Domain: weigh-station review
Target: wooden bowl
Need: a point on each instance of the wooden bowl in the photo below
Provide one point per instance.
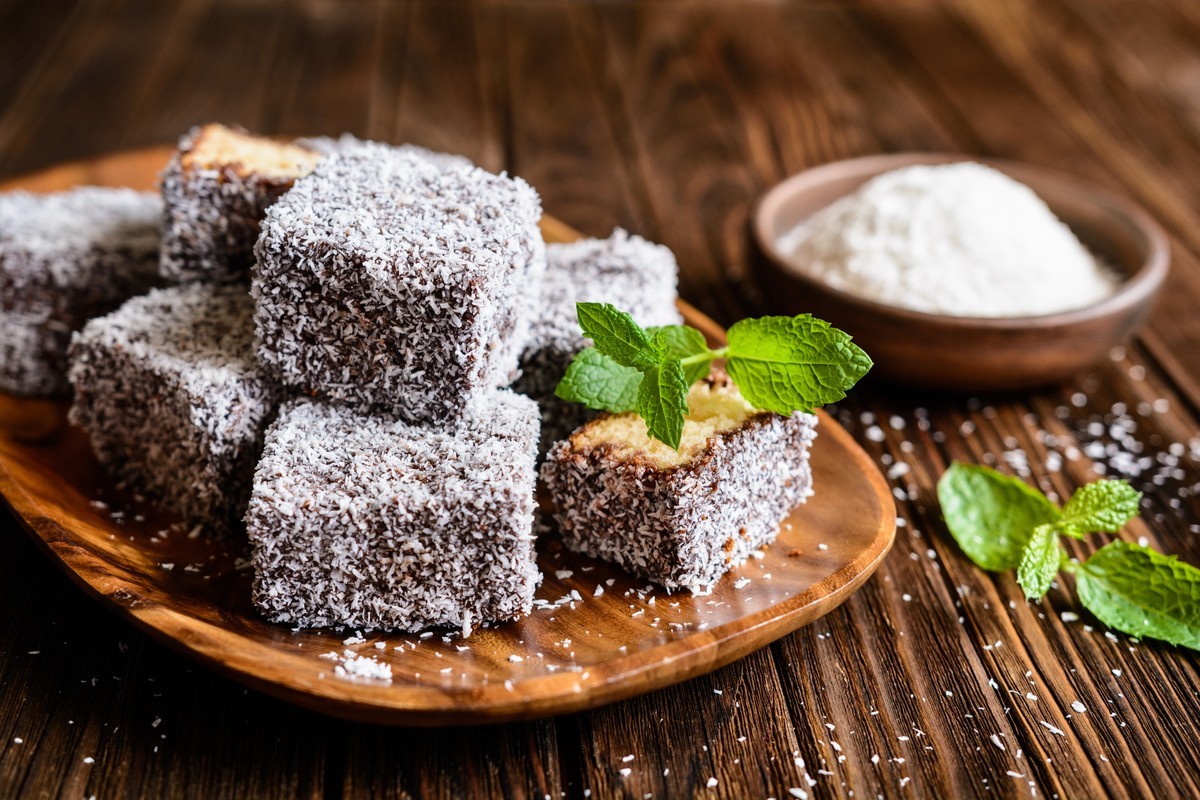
(969, 353)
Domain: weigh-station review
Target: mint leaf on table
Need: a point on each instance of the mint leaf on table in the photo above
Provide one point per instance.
(1001, 523)
(1100, 506)
(614, 332)
(685, 342)
(662, 401)
(1142, 593)
(787, 364)
(600, 383)
(992, 516)
(1040, 562)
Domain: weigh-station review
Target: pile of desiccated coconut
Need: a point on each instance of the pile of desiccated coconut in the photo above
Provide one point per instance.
(958, 239)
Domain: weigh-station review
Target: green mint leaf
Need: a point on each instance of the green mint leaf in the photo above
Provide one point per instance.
(683, 342)
(614, 332)
(1142, 593)
(1100, 506)
(599, 383)
(787, 364)
(653, 354)
(992, 516)
(1040, 562)
(662, 401)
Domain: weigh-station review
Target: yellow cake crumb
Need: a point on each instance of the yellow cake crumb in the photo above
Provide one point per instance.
(713, 410)
(218, 146)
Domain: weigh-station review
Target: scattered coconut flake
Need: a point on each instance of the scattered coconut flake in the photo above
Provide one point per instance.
(359, 668)
(1051, 728)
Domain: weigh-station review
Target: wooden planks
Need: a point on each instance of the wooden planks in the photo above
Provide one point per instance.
(668, 118)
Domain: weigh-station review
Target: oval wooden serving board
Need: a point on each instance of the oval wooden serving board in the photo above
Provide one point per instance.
(598, 635)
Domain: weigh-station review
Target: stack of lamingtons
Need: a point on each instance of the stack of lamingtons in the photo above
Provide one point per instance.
(322, 355)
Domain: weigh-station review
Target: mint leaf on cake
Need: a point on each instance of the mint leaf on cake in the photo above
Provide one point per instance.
(689, 346)
(779, 364)
(600, 383)
(662, 401)
(787, 364)
(614, 332)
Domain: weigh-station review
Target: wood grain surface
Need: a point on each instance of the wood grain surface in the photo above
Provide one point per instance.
(669, 119)
(597, 634)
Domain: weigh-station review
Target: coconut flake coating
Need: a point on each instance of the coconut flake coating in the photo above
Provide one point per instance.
(627, 271)
(326, 145)
(683, 526)
(389, 284)
(369, 522)
(212, 213)
(33, 354)
(65, 258)
(172, 395)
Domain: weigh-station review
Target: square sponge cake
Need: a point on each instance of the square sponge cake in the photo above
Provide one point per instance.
(174, 399)
(365, 521)
(388, 283)
(681, 518)
(215, 190)
(65, 258)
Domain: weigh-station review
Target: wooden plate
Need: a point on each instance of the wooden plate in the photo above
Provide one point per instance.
(599, 635)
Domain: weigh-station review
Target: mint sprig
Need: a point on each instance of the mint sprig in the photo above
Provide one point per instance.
(781, 364)
(1002, 524)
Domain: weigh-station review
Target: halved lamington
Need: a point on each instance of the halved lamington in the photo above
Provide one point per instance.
(174, 399)
(366, 521)
(215, 189)
(681, 518)
(65, 258)
(387, 283)
(627, 271)
(326, 145)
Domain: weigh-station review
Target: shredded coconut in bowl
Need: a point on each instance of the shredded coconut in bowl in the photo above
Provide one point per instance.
(959, 239)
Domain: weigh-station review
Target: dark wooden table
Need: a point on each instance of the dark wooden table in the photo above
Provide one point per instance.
(668, 119)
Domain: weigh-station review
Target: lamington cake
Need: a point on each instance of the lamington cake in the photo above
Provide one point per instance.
(65, 258)
(631, 273)
(368, 522)
(389, 284)
(215, 190)
(172, 395)
(681, 518)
